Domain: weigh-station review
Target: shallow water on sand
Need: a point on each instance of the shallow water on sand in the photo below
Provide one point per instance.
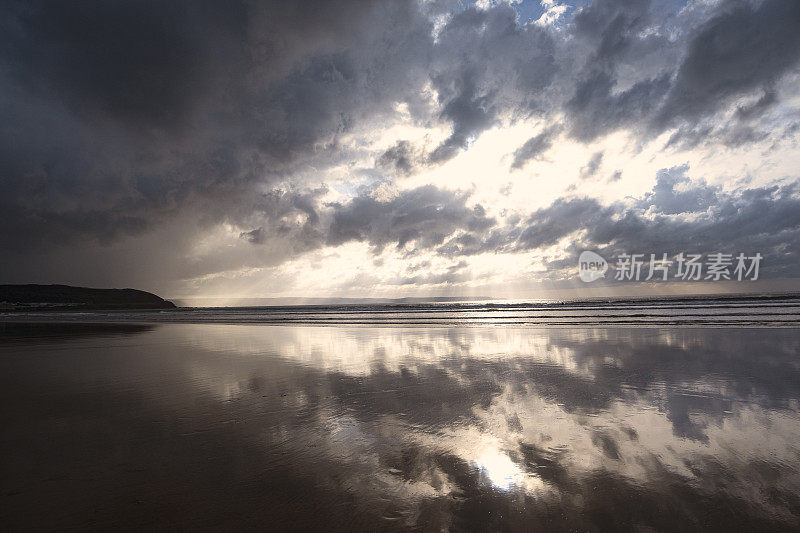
(462, 428)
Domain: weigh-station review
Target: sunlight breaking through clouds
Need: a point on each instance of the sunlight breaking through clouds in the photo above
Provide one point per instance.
(389, 136)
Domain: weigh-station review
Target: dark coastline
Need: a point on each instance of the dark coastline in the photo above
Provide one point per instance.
(67, 298)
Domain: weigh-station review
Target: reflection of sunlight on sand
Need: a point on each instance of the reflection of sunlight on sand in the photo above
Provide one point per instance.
(575, 398)
(501, 471)
(353, 350)
(492, 459)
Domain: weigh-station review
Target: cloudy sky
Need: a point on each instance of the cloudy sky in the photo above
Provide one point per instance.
(394, 148)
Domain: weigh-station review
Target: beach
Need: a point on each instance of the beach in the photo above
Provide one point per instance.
(461, 424)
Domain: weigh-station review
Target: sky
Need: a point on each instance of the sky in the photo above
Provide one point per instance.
(396, 148)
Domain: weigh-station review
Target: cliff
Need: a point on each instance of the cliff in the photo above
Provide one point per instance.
(65, 297)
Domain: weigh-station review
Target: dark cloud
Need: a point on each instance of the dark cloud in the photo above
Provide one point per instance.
(117, 116)
(612, 26)
(469, 111)
(402, 158)
(596, 109)
(255, 236)
(425, 216)
(592, 166)
(764, 220)
(484, 63)
(547, 226)
(734, 133)
(742, 48)
(143, 64)
(766, 101)
(666, 199)
(614, 38)
(638, 79)
(535, 147)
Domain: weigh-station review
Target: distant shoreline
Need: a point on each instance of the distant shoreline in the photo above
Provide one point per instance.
(751, 311)
(242, 303)
(60, 298)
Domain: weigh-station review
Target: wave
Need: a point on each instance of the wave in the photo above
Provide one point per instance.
(770, 311)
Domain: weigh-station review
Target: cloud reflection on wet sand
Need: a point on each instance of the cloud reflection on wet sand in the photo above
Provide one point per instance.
(348, 427)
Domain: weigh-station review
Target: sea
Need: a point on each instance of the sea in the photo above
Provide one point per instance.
(736, 311)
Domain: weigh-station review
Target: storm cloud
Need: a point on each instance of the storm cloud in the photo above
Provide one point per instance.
(694, 219)
(535, 147)
(424, 216)
(118, 115)
(156, 128)
(740, 49)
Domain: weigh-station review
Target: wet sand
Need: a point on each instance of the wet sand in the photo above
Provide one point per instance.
(219, 426)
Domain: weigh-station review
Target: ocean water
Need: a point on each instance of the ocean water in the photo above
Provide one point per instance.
(559, 419)
(705, 311)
